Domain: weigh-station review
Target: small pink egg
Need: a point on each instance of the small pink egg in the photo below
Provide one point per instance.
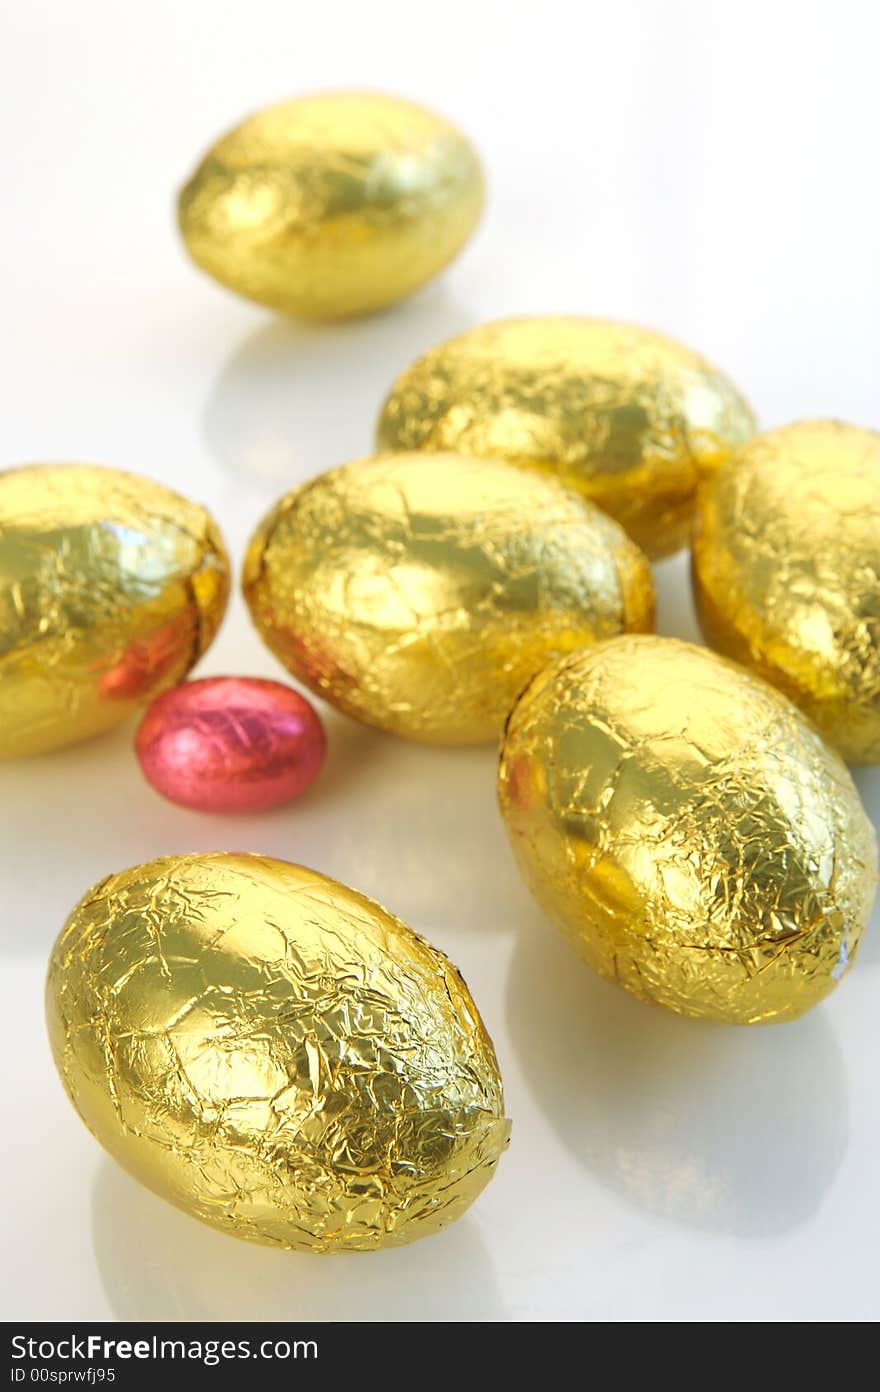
(230, 744)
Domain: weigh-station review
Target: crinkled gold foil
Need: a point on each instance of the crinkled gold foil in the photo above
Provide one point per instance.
(111, 588)
(419, 593)
(332, 205)
(627, 416)
(786, 569)
(688, 830)
(274, 1053)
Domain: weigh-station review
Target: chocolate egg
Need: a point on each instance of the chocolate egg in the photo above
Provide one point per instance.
(332, 205)
(274, 1053)
(111, 588)
(786, 569)
(687, 828)
(419, 593)
(627, 416)
(230, 744)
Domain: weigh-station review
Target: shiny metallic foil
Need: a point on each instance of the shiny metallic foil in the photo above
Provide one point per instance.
(688, 830)
(627, 416)
(111, 588)
(332, 205)
(274, 1053)
(230, 744)
(419, 593)
(786, 569)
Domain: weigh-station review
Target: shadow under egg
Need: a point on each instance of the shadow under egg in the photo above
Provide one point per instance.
(676, 616)
(69, 811)
(727, 1129)
(867, 780)
(353, 751)
(158, 1264)
(297, 398)
(437, 852)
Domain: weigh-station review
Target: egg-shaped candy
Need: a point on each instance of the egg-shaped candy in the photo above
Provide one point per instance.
(111, 588)
(230, 744)
(625, 415)
(332, 205)
(419, 593)
(274, 1053)
(687, 828)
(786, 569)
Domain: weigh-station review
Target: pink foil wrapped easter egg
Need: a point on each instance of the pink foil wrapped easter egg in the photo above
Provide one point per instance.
(230, 744)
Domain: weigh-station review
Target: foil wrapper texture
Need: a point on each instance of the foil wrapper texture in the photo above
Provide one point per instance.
(786, 568)
(111, 588)
(419, 593)
(274, 1053)
(626, 416)
(332, 205)
(688, 830)
(230, 744)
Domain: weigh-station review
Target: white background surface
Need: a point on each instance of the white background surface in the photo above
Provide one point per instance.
(707, 168)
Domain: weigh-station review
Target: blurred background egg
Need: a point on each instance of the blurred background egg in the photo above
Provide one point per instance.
(332, 205)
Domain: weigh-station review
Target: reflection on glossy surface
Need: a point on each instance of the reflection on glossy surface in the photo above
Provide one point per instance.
(295, 399)
(439, 841)
(714, 1128)
(157, 1264)
(437, 851)
(419, 593)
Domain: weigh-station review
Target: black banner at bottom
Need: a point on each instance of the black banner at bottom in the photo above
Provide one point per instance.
(121, 1356)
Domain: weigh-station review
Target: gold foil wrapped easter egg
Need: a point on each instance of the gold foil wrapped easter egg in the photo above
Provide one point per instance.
(274, 1053)
(689, 831)
(419, 593)
(786, 569)
(111, 588)
(627, 416)
(332, 205)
